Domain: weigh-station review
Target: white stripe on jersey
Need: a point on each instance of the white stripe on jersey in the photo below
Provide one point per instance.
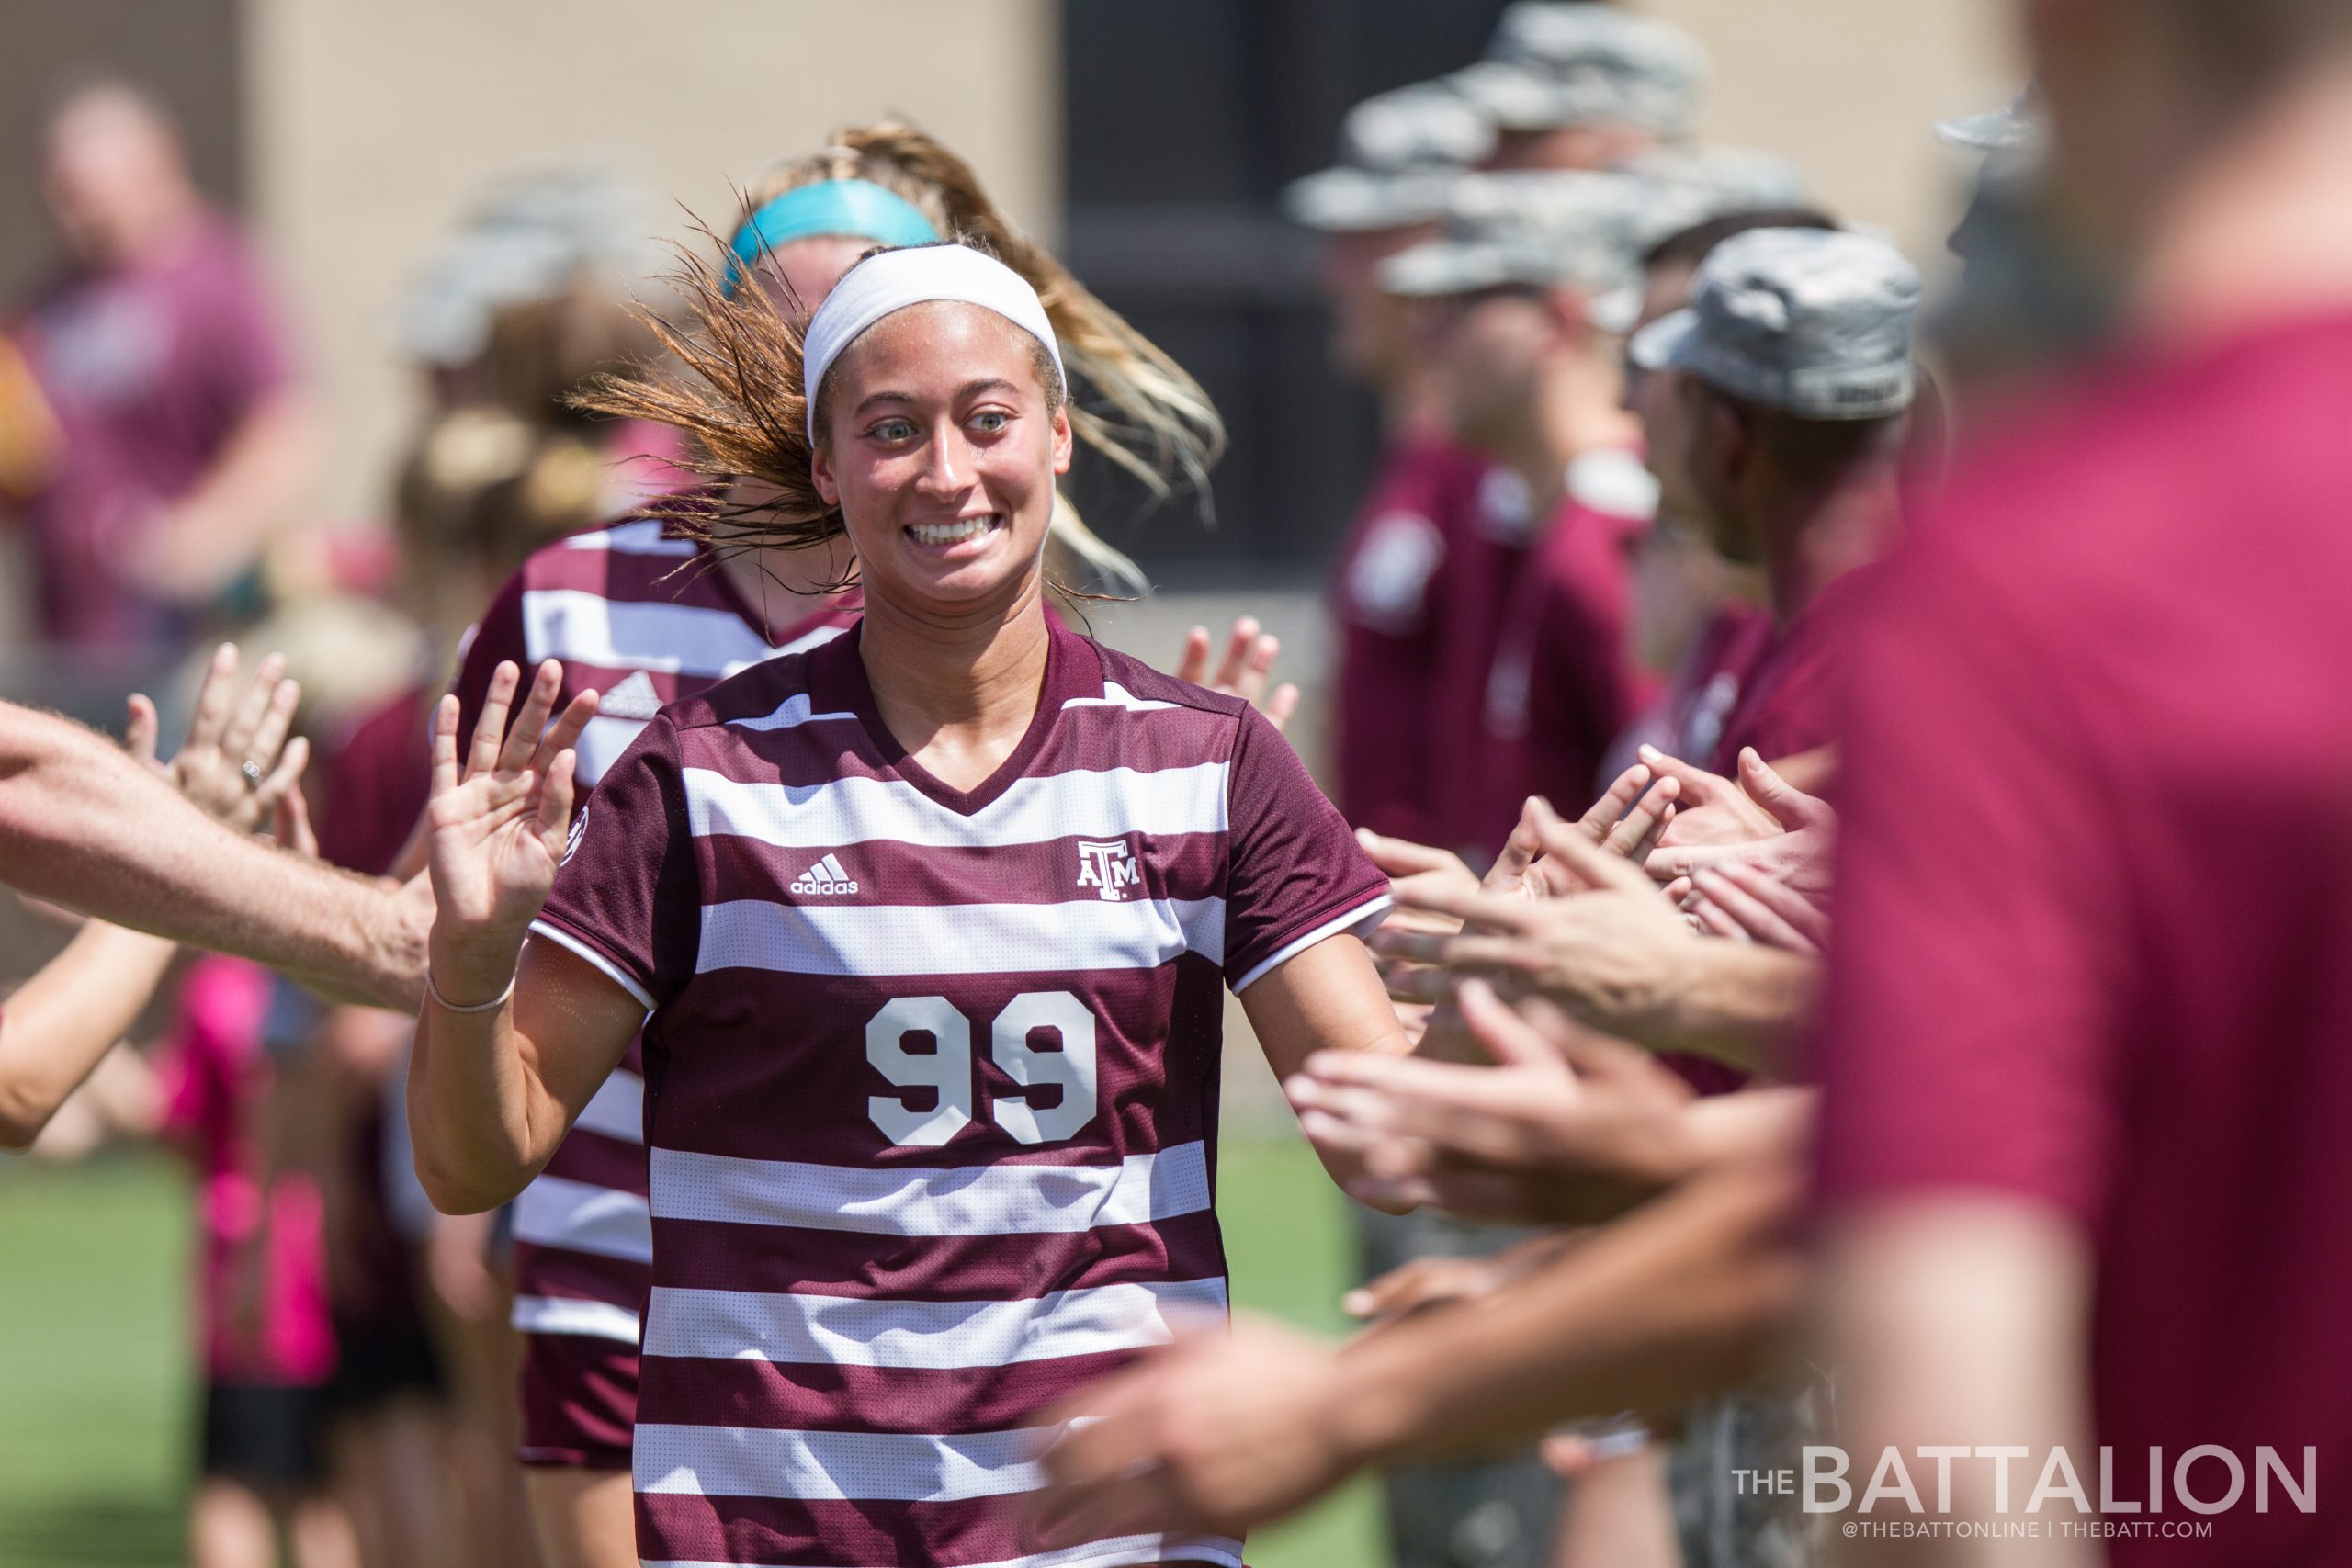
(570, 1315)
(601, 744)
(875, 939)
(573, 624)
(1036, 810)
(1117, 696)
(985, 1200)
(739, 1461)
(1111, 1553)
(618, 1108)
(937, 1335)
(553, 1212)
(646, 536)
(793, 712)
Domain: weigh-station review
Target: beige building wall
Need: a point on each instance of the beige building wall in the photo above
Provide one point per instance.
(1851, 88)
(371, 127)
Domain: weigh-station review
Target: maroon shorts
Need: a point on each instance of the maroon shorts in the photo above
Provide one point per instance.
(579, 1400)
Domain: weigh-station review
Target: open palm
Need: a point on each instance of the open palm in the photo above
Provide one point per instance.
(497, 825)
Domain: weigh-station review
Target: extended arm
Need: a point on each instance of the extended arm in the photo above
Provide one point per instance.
(1687, 1295)
(85, 826)
(515, 1038)
(71, 1013)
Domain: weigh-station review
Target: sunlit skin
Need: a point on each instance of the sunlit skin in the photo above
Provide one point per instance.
(937, 417)
(1651, 397)
(1373, 333)
(1494, 346)
(114, 177)
(1568, 147)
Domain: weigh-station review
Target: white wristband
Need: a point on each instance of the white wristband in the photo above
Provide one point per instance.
(446, 1005)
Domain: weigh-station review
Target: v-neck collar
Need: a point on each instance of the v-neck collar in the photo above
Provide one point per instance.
(837, 672)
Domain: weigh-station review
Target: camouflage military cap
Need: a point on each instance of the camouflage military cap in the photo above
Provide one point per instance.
(1815, 322)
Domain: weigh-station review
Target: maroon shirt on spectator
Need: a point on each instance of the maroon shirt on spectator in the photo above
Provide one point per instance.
(2092, 922)
(149, 368)
(1389, 595)
(1561, 683)
(1791, 694)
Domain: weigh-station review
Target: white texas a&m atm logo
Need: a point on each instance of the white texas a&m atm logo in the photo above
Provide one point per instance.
(825, 878)
(1109, 869)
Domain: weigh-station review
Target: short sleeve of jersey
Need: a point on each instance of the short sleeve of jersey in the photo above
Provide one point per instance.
(497, 637)
(1969, 1037)
(1297, 874)
(627, 898)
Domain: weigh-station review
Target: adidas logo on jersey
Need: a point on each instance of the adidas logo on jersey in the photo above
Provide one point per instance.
(634, 697)
(825, 878)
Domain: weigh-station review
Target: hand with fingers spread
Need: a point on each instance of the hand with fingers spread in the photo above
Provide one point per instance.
(1801, 854)
(497, 828)
(1713, 810)
(1746, 903)
(1568, 1128)
(238, 762)
(1246, 672)
(1210, 1434)
(1614, 955)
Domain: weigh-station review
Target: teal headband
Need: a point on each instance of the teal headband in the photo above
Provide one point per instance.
(857, 208)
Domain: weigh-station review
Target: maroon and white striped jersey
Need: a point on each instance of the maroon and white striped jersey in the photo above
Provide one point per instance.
(931, 1084)
(642, 615)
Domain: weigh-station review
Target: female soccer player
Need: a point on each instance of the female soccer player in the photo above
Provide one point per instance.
(927, 928)
(646, 615)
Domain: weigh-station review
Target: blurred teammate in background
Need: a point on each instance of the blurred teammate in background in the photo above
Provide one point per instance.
(1709, 656)
(1404, 154)
(1532, 290)
(1573, 85)
(182, 438)
(2086, 1083)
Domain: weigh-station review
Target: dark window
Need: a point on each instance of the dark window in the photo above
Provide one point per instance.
(1183, 122)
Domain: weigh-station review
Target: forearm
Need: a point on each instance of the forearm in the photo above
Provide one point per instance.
(1690, 1294)
(470, 1113)
(483, 1116)
(60, 1023)
(1738, 1003)
(85, 825)
(221, 525)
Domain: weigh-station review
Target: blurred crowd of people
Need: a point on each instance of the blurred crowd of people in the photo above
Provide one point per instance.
(1798, 728)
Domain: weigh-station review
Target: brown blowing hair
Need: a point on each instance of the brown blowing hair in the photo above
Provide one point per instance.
(740, 396)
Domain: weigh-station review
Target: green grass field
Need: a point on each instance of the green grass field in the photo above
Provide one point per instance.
(95, 1352)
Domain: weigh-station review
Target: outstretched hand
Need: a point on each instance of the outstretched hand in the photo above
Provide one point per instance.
(496, 826)
(1246, 673)
(238, 762)
(1800, 852)
(1568, 1127)
(1611, 954)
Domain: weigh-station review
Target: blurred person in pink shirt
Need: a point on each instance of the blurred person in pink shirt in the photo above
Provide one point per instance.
(183, 438)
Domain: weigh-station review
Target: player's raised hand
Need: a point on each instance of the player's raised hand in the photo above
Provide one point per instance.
(1246, 670)
(496, 825)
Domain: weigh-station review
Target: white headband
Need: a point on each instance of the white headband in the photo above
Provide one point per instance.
(896, 279)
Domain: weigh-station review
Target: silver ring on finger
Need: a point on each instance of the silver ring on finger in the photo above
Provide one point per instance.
(252, 770)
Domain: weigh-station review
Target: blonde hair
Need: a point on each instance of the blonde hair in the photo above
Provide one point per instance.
(742, 401)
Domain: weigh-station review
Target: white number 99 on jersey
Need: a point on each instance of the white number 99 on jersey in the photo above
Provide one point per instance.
(949, 1069)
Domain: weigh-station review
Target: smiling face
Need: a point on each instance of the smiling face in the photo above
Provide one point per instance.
(940, 443)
